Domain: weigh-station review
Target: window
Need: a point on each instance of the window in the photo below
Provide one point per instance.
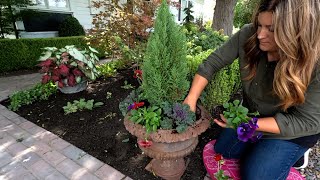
(52, 4)
(58, 3)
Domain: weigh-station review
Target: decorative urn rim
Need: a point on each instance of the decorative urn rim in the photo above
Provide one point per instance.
(169, 136)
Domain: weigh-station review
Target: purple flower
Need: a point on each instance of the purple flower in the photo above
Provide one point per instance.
(246, 131)
(130, 107)
(256, 137)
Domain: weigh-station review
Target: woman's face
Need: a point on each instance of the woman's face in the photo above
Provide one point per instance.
(265, 32)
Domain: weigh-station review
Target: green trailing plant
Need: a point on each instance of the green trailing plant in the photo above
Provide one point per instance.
(71, 27)
(148, 117)
(81, 104)
(36, 93)
(236, 114)
(165, 67)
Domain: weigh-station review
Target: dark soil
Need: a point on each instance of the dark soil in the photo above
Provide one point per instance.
(101, 132)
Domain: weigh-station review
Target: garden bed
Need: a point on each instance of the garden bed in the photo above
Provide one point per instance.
(101, 132)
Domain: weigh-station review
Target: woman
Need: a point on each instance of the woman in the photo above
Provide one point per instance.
(279, 60)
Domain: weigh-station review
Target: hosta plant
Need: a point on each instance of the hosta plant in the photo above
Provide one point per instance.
(68, 66)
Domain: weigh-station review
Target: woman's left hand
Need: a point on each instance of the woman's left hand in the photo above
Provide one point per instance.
(222, 123)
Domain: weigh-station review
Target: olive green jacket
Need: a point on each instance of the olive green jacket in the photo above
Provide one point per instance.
(298, 121)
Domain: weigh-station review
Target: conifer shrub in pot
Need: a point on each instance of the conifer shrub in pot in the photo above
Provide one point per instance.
(166, 129)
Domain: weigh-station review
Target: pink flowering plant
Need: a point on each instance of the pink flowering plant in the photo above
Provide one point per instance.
(238, 118)
(68, 66)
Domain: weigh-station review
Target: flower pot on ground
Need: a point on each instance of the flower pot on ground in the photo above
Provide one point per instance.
(69, 67)
(166, 129)
(168, 147)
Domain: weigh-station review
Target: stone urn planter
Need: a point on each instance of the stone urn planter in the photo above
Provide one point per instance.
(74, 89)
(169, 148)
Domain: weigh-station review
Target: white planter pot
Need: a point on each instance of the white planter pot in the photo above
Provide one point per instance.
(74, 89)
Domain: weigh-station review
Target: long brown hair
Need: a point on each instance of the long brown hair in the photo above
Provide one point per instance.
(296, 32)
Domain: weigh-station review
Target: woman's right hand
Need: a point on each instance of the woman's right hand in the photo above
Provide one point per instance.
(191, 102)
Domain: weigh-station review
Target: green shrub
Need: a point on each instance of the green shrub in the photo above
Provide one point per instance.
(203, 40)
(223, 84)
(243, 12)
(38, 92)
(18, 54)
(71, 27)
(164, 67)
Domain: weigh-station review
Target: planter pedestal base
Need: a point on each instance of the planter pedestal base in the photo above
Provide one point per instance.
(169, 148)
(167, 169)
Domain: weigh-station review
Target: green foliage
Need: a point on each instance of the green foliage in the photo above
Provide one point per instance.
(71, 27)
(199, 41)
(19, 54)
(223, 84)
(72, 58)
(9, 15)
(128, 20)
(235, 113)
(107, 69)
(79, 105)
(221, 176)
(127, 86)
(164, 67)
(134, 96)
(130, 55)
(109, 95)
(187, 21)
(148, 117)
(38, 92)
(243, 12)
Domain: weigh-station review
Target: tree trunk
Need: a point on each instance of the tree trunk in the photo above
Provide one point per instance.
(13, 21)
(1, 26)
(223, 16)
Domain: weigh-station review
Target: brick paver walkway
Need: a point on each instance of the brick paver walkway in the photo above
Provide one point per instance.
(30, 152)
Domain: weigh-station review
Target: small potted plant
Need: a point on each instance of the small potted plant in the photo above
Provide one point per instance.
(69, 67)
(166, 129)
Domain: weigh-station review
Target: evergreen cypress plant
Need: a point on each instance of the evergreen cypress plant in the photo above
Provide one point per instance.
(165, 68)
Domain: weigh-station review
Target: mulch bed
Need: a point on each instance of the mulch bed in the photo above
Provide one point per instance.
(101, 132)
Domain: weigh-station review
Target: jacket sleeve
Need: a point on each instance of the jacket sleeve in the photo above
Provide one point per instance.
(223, 56)
(304, 119)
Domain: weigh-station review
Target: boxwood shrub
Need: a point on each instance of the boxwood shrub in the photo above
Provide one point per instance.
(22, 54)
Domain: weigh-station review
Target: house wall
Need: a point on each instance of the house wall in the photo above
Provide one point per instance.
(82, 11)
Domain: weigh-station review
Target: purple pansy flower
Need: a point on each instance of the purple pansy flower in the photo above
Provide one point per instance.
(246, 131)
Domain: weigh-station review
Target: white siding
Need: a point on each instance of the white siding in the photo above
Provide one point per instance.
(81, 11)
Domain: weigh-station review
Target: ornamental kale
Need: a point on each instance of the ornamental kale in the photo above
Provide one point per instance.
(179, 116)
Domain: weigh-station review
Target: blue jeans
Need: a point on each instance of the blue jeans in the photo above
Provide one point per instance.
(268, 159)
